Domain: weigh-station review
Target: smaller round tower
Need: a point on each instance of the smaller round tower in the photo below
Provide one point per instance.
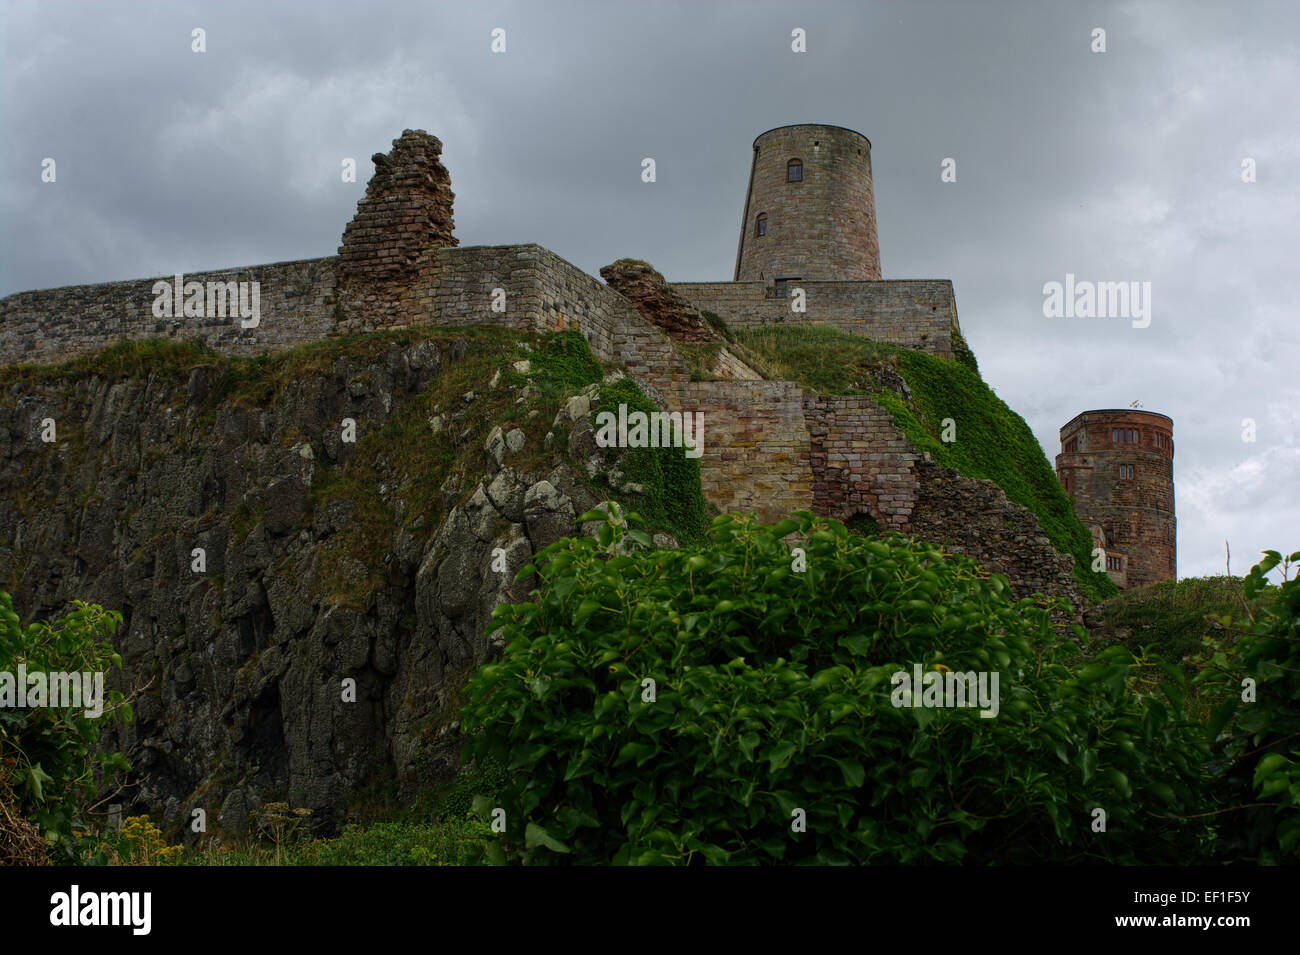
(809, 211)
(1118, 468)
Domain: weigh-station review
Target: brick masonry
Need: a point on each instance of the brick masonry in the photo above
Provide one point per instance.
(1136, 514)
(404, 218)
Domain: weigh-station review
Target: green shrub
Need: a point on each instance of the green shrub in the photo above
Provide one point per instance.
(1256, 728)
(48, 760)
(773, 693)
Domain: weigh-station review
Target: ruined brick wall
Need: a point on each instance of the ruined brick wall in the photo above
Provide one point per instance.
(822, 226)
(296, 302)
(403, 219)
(974, 517)
(920, 314)
(1136, 513)
(755, 445)
(860, 462)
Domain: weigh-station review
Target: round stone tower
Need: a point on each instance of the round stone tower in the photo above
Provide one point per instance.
(1118, 467)
(809, 212)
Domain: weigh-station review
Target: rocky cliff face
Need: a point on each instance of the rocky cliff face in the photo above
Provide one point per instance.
(306, 549)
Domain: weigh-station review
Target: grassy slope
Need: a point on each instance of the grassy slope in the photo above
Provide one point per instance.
(992, 441)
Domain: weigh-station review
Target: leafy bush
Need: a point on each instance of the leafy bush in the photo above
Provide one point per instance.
(48, 761)
(1256, 728)
(773, 693)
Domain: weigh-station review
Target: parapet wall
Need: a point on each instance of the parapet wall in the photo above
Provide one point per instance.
(296, 303)
(918, 314)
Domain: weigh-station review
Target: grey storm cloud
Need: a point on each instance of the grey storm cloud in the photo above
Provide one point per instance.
(1117, 166)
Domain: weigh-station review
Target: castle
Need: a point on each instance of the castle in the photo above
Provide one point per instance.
(1117, 466)
(808, 253)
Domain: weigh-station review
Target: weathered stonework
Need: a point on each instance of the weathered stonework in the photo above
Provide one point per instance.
(297, 302)
(404, 217)
(820, 227)
(917, 314)
(1135, 514)
(657, 301)
(974, 518)
(861, 462)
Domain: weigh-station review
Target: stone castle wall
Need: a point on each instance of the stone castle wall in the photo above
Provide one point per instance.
(918, 314)
(755, 445)
(297, 304)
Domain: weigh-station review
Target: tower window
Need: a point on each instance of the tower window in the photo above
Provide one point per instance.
(1126, 472)
(1071, 445)
(761, 225)
(1116, 435)
(794, 171)
(1132, 436)
(1110, 537)
(1114, 563)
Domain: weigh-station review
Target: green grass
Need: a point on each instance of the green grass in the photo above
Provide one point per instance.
(992, 441)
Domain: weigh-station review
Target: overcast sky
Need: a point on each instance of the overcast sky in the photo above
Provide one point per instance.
(1117, 166)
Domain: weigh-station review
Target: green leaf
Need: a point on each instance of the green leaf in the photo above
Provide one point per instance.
(535, 835)
(1120, 781)
(854, 774)
(781, 754)
(1270, 764)
(585, 610)
(1089, 765)
(36, 778)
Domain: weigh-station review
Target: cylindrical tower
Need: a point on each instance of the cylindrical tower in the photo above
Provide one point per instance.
(1118, 467)
(809, 211)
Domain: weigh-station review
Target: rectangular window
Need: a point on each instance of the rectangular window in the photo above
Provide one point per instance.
(1132, 436)
(1072, 445)
(1116, 435)
(1114, 563)
(1126, 472)
(781, 290)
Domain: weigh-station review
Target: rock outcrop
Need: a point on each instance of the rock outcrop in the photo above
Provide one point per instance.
(300, 611)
